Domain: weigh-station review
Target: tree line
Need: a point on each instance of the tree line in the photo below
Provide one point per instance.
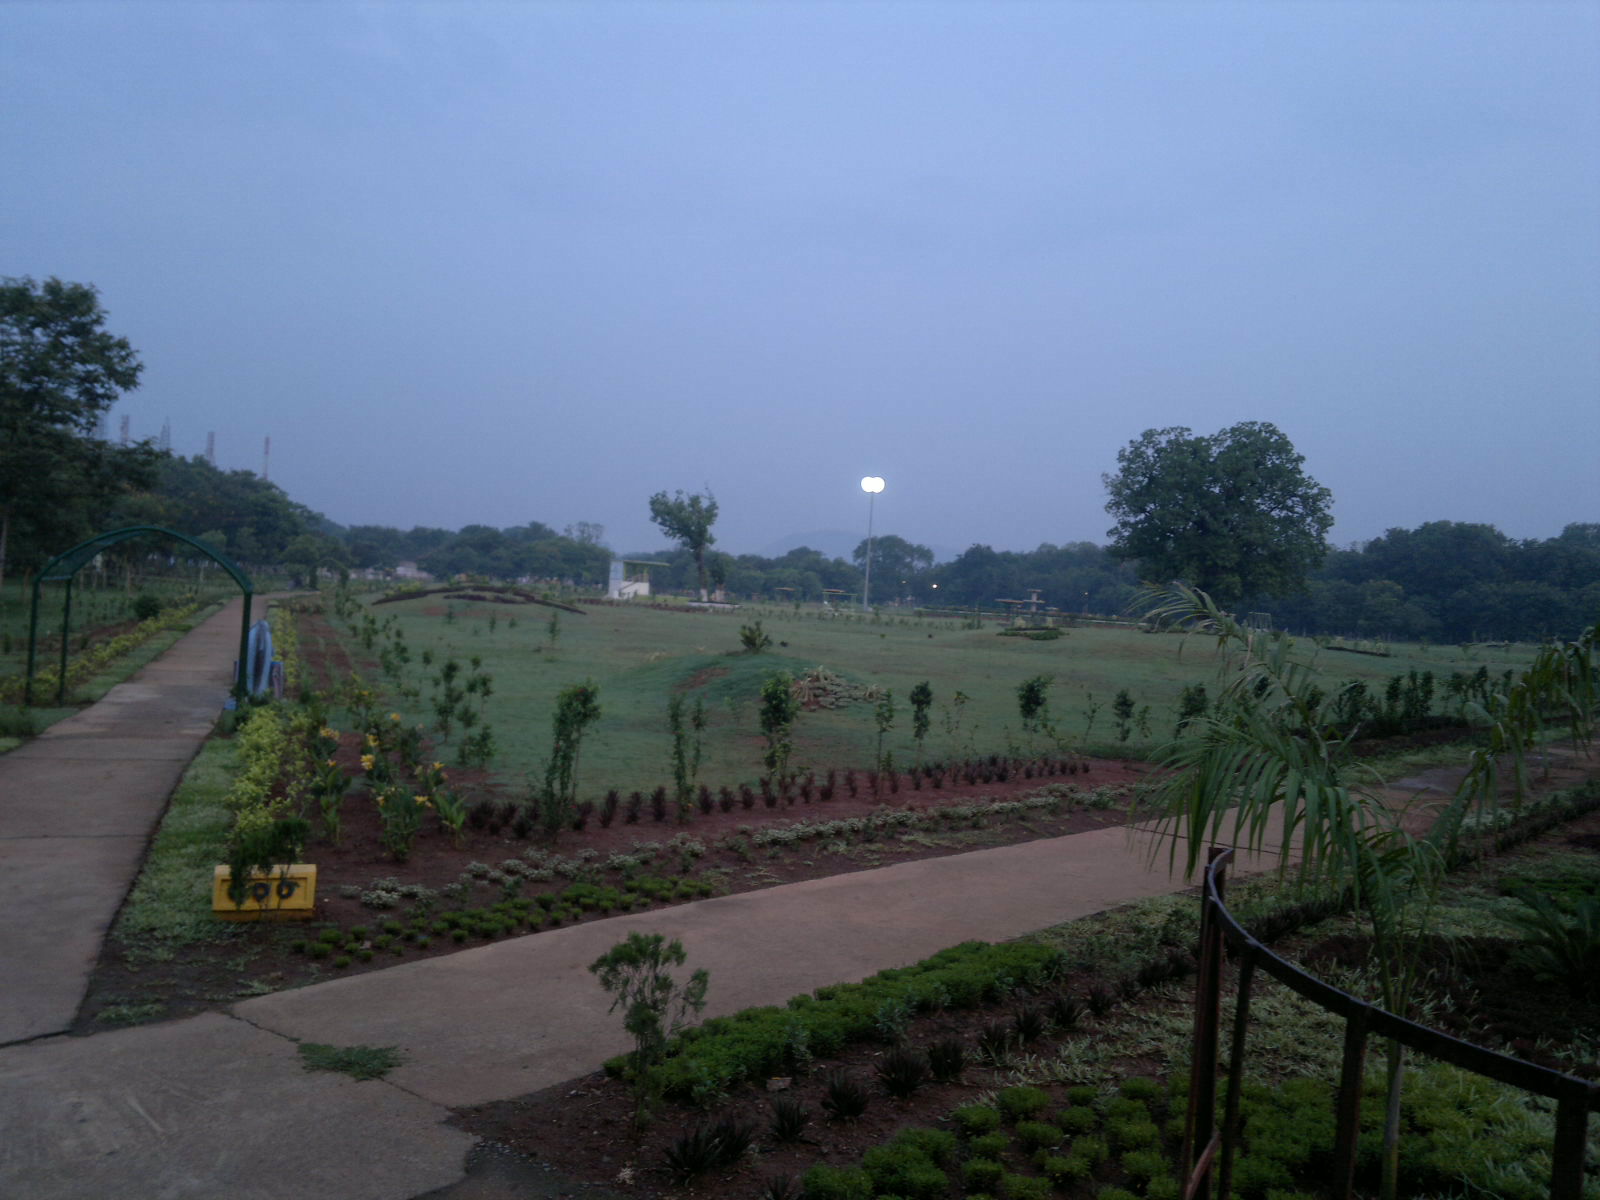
(1231, 513)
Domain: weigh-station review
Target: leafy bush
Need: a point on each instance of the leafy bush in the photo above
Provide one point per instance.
(1024, 1187)
(976, 1119)
(990, 1145)
(938, 1144)
(823, 1182)
(981, 1174)
(1020, 1103)
(1144, 1164)
(1077, 1120)
(751, 1044)
(1066, 1170)
(900, 1169)
(1140, 1088)
(1133, 1134)
(1037, 1135)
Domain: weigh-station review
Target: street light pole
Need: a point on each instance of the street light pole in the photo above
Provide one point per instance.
(871, 485)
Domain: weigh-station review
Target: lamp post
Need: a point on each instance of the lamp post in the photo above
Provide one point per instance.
(871, 485)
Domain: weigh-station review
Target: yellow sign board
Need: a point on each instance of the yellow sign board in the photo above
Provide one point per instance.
(287, 893)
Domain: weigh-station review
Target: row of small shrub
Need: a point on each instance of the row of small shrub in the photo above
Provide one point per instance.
(660, 806)
(1462, 1134)
(90, 662)
(286, 645)
(1022, 1146)
(513, 915)
(1051, 798)
(704, 1061)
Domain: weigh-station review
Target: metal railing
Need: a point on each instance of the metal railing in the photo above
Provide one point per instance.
(1208, 1146)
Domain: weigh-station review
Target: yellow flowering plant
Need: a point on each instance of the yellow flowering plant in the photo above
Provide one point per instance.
(452, 812)
(401, 816)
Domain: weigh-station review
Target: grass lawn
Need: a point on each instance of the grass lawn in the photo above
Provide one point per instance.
(639, 657)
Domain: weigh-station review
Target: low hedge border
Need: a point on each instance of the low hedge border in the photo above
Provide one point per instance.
(705, 1061)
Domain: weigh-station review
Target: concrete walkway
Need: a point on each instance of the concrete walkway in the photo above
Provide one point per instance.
(219, 1104)
(78, 805)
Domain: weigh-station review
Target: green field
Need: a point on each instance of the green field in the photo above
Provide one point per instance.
(639, 657)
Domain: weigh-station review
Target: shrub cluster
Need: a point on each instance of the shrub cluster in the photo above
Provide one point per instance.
(705, 1061)
(90, 662)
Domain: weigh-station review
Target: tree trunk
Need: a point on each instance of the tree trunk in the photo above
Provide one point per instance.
(1389, 1187)
(700, 565)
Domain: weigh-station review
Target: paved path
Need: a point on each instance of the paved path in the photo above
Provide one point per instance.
(219, 1104)
(78, 805)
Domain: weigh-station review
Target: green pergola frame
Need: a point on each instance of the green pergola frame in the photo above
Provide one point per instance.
(65, 567)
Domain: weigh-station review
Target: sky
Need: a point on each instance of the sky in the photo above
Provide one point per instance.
(493, 263)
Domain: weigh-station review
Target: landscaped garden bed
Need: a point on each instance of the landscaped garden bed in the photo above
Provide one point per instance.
(1069, 1078)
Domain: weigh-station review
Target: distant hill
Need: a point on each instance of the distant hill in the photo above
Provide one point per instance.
(834, 543)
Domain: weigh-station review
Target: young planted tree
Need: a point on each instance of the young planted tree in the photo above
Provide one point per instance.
(654, 1006)
(687, 520)
(883, 718)
(577, 707)
(779, 708)
(1033, 703)
(921, 702)
(687, 738)
(1122, 710)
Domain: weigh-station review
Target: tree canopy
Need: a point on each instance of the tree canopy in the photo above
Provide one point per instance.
(687, 520)
(896, 559)
(1232, 514)
(60, 373)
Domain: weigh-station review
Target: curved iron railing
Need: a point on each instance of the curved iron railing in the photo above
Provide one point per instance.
(1219, 930)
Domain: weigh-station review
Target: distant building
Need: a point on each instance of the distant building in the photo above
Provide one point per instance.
(630, 577)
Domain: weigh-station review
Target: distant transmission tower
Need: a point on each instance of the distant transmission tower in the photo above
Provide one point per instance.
(166, 435)
(125, 437)
(211, 448)
(266, 458)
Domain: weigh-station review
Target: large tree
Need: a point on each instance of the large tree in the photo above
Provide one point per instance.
(60, 373)
(687, 520)
(897, 559)
(1232, 514)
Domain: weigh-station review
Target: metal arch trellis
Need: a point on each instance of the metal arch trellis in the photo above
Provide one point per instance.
(1209, 1144)
(66, 565)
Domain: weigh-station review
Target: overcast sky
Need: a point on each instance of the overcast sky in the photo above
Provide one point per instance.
(508, 262)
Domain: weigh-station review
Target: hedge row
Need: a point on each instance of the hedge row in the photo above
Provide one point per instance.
(705, 1061)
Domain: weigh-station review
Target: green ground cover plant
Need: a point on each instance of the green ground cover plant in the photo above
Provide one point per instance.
(169, 907)
(358, 1062)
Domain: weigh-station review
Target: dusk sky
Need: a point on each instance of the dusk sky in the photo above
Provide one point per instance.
(507, 262)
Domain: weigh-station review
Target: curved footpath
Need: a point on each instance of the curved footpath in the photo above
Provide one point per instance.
(219, 1103)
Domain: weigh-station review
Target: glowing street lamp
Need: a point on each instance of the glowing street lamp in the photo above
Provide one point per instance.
(871, 485)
